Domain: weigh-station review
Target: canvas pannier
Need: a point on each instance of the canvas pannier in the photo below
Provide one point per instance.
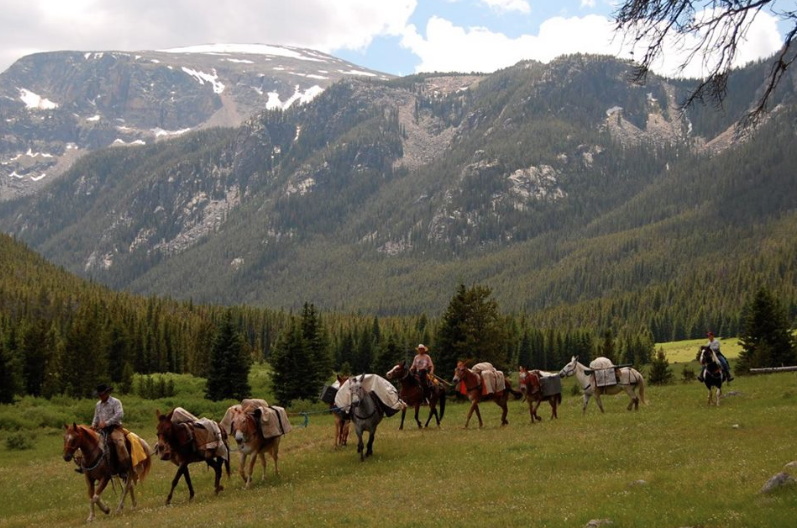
(550, 385)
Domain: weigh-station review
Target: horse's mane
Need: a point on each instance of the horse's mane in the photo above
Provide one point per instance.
(87, 430)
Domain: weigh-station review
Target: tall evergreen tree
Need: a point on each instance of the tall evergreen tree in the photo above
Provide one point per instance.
(471, 329)
(7, 384)
(766, 339)
(607, 346)
(228, 376)
(318, 349)
(290, 360)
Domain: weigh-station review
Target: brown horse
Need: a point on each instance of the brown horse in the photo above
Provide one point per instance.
(249, 436)
(342, 420)
(411, 393)
(96, 465)
(176, 443)
(473, 388)
(530, 386)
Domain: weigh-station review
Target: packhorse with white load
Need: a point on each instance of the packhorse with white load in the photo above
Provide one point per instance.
(367, 399)
(257, 428)
(483, 382)
(603, 377)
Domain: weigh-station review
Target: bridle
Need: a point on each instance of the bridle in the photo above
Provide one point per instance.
(461, 376)
(73, 445)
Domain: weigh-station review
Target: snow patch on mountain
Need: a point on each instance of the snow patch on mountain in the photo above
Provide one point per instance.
(34, 101)
(202, 77)
(305, 97)
(248, 49)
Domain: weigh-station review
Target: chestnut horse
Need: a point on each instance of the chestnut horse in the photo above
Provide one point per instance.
(342, 421)
(97, 468)
(175, 444)
(530, 385)
(249, 436)
(411, 393)
(473, 388)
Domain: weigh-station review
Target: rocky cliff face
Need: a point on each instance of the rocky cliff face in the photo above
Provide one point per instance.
(54, 107)
(371, 174)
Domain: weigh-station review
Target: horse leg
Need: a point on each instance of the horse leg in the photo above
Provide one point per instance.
(432, 412)
(100, 488)
(473, 405)
(538, 402)
(217, 468)
(479, 416)
(599, 402)
(417, 410)
(90, 485)
(584, 405)
(403, 414)
(264, 463)
(552, 401)
(531, 410)
(360, 446)
(503, 406)
(719, 395)
(370, 449)
(127, 489)
(248, 479)
(242, 466)
(634, 400)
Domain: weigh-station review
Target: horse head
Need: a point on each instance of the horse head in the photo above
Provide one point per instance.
(461, 371)
(73, 440)
(342, 379)
(165, 432)
(569, 369)
(244, 429)
(356, 389)
(397, 372)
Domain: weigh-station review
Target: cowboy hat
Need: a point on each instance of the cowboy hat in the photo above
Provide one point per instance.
(102, 388)
(422, 347)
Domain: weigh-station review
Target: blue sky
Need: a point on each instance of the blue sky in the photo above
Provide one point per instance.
(386, 53)
(394, 36)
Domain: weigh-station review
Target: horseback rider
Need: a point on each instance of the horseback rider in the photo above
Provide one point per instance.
(714, 345)
(423, 368)
(108, 415)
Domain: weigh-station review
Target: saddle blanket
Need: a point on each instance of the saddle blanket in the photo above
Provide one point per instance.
(206, 433)
(492, 380)
(137, 452)
(382, 388)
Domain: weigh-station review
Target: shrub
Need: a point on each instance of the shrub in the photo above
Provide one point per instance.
(20, 441)
(660, 373)
(687, 374)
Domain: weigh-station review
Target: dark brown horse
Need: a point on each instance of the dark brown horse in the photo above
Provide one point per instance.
(96, 465)
(176, 443)
(472, 386)
(530, 386)
(411, 392)
(342, 420)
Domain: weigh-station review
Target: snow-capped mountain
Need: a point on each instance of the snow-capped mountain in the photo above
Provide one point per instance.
(56, 106)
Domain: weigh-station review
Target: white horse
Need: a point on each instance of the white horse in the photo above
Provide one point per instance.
(629, 379)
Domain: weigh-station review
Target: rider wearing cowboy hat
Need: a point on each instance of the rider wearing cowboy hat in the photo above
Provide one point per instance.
(108, 415)
(423, 366)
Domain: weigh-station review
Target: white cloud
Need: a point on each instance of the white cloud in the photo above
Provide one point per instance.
(587, 3)
(505, 6)
(87, 25)
(446, 47)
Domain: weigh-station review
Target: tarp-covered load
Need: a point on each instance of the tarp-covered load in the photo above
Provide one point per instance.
(551, 384)
(492, 380)
(206, 433)
(273, 420)
(382, 388)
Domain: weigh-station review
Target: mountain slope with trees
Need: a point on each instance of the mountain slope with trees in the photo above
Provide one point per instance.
(578, 198)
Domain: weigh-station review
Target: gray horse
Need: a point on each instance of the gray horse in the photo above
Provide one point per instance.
(366, 413)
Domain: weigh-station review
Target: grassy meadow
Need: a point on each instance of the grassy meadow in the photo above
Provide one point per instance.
(701, 466)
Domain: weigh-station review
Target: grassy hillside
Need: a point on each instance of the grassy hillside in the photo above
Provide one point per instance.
(701, 466)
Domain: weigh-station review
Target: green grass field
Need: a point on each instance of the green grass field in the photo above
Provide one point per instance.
(685, 351)
(702, 467)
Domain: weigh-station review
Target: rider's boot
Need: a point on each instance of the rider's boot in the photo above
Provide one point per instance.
(700, 377)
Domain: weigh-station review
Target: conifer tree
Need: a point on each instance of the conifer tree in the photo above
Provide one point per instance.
(607, 347)
(660, 372)
(228, 376)
(6, 374)
(318, 349)
(289, 360)
(766, 339)
(471, 329)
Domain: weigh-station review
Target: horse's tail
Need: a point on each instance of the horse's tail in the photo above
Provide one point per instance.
(141, 470)
(641, 388)
(558, 398)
